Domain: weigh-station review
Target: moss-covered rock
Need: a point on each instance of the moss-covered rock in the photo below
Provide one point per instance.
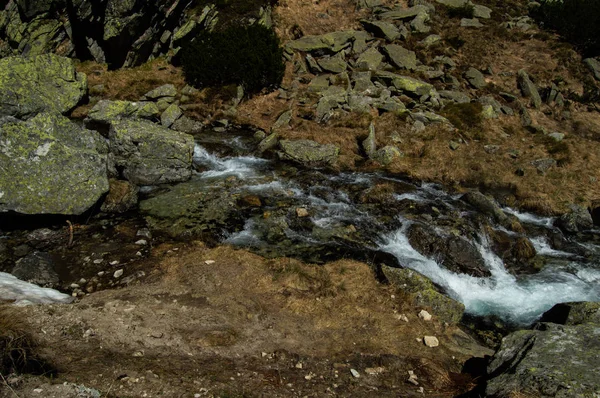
(575, 313)
(105, 111)
(409, 85)
(308, 153)
(557, 361)
(48, 165)
(45, 83)
(150, 154)
(424, 293)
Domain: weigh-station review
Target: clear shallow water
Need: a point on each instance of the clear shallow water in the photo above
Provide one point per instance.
(519, 299)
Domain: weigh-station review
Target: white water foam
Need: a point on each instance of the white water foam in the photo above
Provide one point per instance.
(521, 300)
(529, 218)
(24, 293)
(241, 167)
(543, 248)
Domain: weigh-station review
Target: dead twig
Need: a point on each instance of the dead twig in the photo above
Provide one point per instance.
(70, 233)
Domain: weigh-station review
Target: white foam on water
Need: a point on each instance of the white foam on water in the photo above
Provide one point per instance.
(529, 218)
(543, 248)
(245, 237)
(241, 167)
(25, 293)
(521, 300)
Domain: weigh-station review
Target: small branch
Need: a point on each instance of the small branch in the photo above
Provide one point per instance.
(70, 233)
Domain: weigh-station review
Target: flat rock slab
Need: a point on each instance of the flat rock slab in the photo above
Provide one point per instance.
(308, 152)
(49, 165)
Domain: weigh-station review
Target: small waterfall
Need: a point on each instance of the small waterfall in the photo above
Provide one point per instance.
(518, 299)
(241, 167)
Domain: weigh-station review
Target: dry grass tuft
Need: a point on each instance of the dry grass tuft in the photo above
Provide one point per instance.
(17, 348)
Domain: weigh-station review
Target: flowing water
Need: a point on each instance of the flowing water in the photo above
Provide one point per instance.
(570, 273)
(318, 216)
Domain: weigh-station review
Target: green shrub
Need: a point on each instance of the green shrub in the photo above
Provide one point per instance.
(578, 21)
(249, 56)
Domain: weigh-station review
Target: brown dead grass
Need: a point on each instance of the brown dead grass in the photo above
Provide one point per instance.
(131, 84)
(198, 323)
(17, 348)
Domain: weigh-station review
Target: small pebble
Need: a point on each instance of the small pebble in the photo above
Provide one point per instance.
(431, 341)
(115, 262)
(141, 242)
(209, 262)
(139, 254)
(98, 261)
(101, 273)
(424, 315)
(354, 373)
(118, 273)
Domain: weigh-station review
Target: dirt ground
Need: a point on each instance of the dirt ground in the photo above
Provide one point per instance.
(226, 323)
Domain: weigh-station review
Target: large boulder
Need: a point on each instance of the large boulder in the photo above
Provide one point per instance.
(423, 293)
(49, 165)
(575, 313)
(559, 361)
(45, 83)
(308, 153)
(149, 154)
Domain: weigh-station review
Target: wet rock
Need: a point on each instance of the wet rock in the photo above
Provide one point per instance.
(595, 211)
(122, 196)
(575, 220)
(149, 154)
(37, 268)
(268, 143)
(193, 209)
(424, 293)
(556, 361)
(308, 153)
(485, 205)
(454, 253)
(105, 111)
(575, 313)
(475, 78)
(45, 83)
(401, 57)
(33, 176)
(528, 88)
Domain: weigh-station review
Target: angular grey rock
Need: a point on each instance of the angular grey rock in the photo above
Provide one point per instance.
(475, 78)
(187, 125)
(37, 268)
(387, 155)
(401, 57)
(33, 176)
(455, 96)
(45, 83)
(404, 13)
(594, 66)
(485, 205)
(381, 29)
(557, 361)
(370, 144)
(370, 60)
(334, 64)
(308, 153)
(419, 23)
(483, 12)
(470, 23)
(105, 111)
(166, 90)
(332, 42)
(150, 154)
(170, 115)
(528, 89)
(453, 3)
